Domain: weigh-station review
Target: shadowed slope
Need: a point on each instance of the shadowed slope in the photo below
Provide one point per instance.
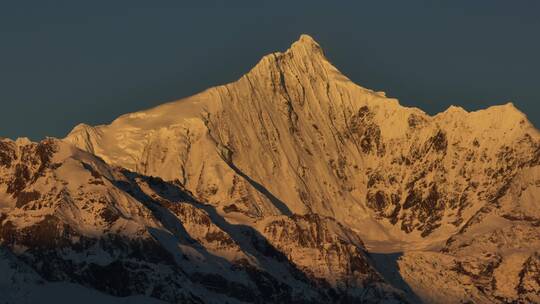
(126, 234)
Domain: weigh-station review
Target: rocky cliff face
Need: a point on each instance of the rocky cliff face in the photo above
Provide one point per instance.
(290, 184)
(72, 218)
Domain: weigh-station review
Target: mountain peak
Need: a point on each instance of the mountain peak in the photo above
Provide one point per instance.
(305, 45)
(507, 109)
(306, 39)
(304, 56)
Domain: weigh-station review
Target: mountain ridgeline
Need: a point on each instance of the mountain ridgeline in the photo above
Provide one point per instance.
(291, 184)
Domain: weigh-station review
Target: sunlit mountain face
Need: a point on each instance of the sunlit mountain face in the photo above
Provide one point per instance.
(290, 185)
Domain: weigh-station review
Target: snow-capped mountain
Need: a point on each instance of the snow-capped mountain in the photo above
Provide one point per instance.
(292, 184)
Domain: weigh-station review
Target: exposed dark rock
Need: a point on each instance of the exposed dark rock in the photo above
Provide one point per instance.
(48, 233)
(231, 208)
(415, 121)
(529, 278)
(437, 142)
(25, 197)
(413, 199)
(7, 154)
(219, 237)
(21, 177)
(109, 215)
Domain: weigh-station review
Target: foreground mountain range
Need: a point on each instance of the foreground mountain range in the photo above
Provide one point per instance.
(290, 185)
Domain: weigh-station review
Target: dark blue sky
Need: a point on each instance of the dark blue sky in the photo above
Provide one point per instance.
(65, 62)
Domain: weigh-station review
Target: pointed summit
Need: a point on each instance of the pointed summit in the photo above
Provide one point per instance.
(304, 58)
(306, 40)
(305, 45)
